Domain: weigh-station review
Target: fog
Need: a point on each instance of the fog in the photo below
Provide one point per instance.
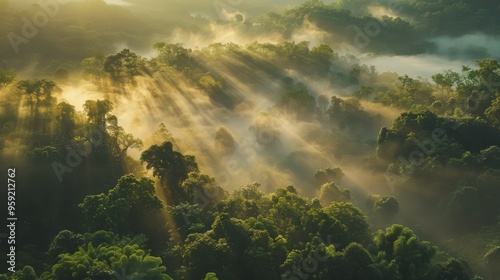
(186, 110)
(212, 9)
(448, 53)
(278, 156)
(468, 47)
(419, 65)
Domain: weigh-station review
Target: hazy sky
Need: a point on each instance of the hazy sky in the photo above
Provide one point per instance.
(205, 7)
(211, 7)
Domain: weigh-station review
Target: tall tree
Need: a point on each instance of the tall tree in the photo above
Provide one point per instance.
(171, 167)
(39, 93)
(65, 120)
(97, 111)
(6, 77)
(124, 66)
(94, 67)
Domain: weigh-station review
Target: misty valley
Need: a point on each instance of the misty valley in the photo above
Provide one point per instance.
(205, 140)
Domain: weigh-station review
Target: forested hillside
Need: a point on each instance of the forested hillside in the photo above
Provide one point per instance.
(249, 142)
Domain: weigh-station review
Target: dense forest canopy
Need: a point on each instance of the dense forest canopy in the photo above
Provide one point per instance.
(250, 140)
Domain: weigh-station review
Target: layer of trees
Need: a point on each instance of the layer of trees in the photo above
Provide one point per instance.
(88, 217)
(246, 235)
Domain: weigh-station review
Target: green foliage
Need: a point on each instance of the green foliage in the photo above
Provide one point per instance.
(171, 167)
(327, 175)
(364, 92)
(122, 141)
(123, 207)
(400, 245)
(211, 276)
(256, 253)
(357, 263)
(202, 254)
(38, 92)
(408, 94)
(123, 66)
(172, 54)
(250, 234)
(453, 268)
(107, 262)
(330, 192)
(352, 219)
(66, 120)
(94, 66)
(348, 112)
(6, 77)
(397, 36)
(423, 149)
(27, 273)
(43, 154)
(322, 55)
(64, 242)
(446, 80)
(245, 202)
(287, 211)
(97, 111)
(493, 112)
(202, 189)
(210, 83)
(454, 17)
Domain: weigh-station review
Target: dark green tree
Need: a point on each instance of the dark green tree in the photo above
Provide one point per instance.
(6, 77)
(98, 111)
(108, 262)
(202, 254)
(171, 167)
(38, 92)
(64, 242)
(124, 208)
(412, 256)
(124, 66)
(66, 120)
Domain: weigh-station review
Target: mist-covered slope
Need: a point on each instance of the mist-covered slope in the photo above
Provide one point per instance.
(251, 140)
